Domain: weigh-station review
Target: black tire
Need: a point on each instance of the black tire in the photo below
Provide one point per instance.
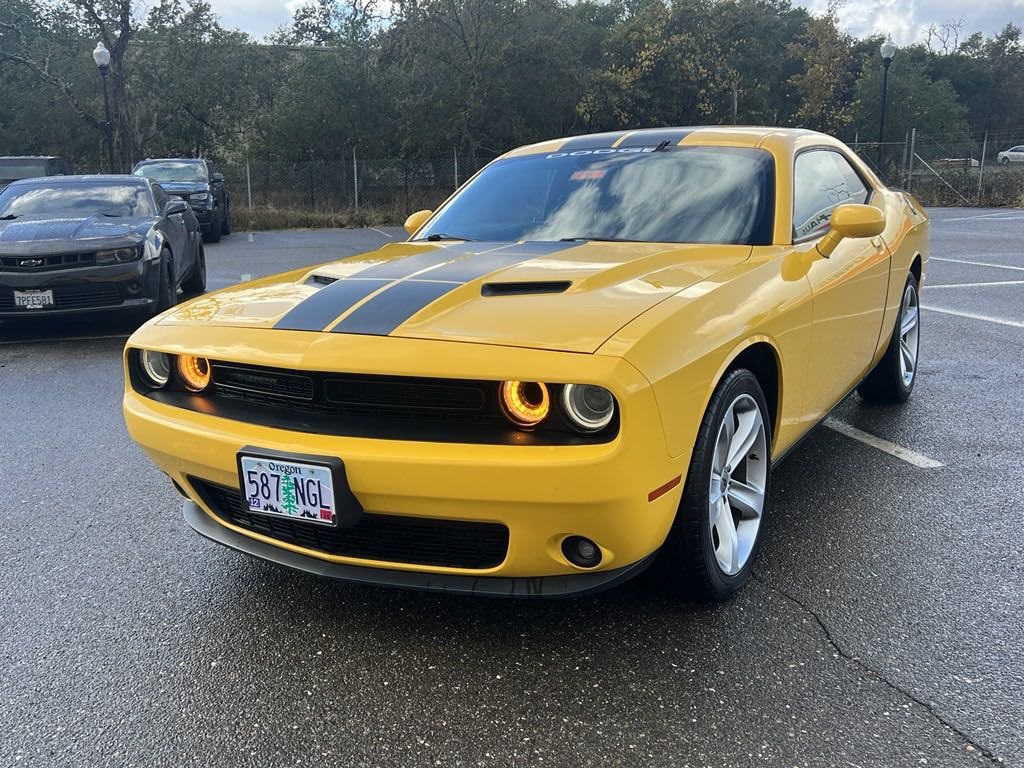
(196, 282)
(887, 383)
(688, 561)
(167, 296)
(226, 229)
(1005, 161)
(213, 236)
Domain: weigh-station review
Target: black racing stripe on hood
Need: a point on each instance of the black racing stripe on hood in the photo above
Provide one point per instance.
(467, 270)
(396, 269)
(389, 309)
(317, 312)
(653, 138)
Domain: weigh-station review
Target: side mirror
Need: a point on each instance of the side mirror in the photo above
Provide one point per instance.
(217, 176)
(851, 220)
(175, 205)
(417, 220)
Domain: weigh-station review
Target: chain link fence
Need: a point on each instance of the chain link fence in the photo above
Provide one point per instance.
(357, 191)
(954, 170)
(267, 193)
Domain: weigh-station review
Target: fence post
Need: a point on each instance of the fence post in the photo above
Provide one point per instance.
(248, 181)
(355, 178)
(455, 156)
(903, 163)
(981, 167)
(910, 162)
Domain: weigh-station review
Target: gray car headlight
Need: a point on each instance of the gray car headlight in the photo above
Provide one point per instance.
(590, 408)
(118, 255)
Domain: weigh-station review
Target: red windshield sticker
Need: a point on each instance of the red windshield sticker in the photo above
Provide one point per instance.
(587, 175)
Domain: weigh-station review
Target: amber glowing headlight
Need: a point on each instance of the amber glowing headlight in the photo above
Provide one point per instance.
(590, 408)
(194, 372)
(156, 367)
(526, 403)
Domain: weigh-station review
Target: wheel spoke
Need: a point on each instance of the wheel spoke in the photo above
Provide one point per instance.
(909, 320)
(746, 499)
(747, 431)
(727, 552)
(908, 356)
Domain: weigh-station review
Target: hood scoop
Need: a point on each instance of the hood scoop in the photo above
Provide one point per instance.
(319, 281)
(525, 288)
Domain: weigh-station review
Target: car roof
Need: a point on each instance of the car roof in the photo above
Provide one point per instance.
(721, 135)
(171, 160)
(121, 178)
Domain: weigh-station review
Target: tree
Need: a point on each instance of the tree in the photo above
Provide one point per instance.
(824, 86)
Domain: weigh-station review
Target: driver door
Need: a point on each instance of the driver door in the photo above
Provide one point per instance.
(848, 289)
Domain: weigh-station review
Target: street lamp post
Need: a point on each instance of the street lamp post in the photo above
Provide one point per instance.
(102, 58)
(888, 50)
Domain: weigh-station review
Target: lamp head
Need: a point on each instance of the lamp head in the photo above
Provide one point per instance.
(101, 55)
(888, 50)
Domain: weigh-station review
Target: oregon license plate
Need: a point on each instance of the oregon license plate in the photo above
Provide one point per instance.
(294, 489)
(33, 299)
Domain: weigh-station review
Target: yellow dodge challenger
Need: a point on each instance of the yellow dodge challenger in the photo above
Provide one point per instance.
(591, 355)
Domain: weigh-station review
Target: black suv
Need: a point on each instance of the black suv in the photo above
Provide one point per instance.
(15, 168)
(197, 182)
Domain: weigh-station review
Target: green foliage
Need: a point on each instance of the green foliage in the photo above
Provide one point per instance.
(477, 75)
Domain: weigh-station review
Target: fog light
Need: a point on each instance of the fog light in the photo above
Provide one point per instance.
(156, 367)
(526, 403)
(194, 372)
(134, 287)
(581, 551)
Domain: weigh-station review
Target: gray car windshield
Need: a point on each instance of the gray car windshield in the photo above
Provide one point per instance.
(82, 199)
(677, 195)
(22, 169)
(172, 170)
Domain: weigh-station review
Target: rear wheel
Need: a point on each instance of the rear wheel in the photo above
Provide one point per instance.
(226, 229)
(1005, 161)
(196, 282)
(892, 380)
(716, 536)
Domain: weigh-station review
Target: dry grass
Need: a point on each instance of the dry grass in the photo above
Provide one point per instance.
(258, 219)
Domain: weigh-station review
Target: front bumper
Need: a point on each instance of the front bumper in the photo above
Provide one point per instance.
(129, 286)
(542, 494)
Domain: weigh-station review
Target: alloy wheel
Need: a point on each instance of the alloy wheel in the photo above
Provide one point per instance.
(910, 322)
(739, 477)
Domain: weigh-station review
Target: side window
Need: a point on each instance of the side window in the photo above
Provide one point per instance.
(822, 180)
(161, 197)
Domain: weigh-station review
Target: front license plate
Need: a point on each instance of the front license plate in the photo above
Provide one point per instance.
(273, 486)
(33, 299)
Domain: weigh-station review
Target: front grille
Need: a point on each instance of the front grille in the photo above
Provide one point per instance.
(46, 261)
(80, 296)
(385, 538)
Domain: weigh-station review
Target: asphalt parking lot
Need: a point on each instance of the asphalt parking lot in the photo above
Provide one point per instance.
(883, 628)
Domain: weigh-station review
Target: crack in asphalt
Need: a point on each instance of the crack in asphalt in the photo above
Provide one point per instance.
(830, 638)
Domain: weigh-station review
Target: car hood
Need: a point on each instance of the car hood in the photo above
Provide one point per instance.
(53, 233)
(559, 296)
(184, 187)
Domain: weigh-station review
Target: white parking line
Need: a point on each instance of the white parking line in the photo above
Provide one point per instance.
(993, 216)
(904, 454)
(381, 231)
(977, 263)
(933, 286)
(972, 316)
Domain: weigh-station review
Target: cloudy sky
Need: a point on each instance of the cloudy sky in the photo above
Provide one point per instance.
(905, 20)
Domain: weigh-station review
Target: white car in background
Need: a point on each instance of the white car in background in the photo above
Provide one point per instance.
(1012, 155)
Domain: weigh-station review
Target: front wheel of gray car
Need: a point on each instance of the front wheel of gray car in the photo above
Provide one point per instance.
(167, 295)
(715, 538)
(213, 235)
(196, 282)
(226, 229)
(892, 379)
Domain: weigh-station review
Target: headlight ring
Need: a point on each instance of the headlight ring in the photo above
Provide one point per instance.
(589, 408)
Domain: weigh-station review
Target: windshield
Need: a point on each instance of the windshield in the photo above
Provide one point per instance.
(21, 169)
(677, 195)
(173, 170)
(81, 199)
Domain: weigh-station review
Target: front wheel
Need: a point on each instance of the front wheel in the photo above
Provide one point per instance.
(1005, 161)
(167, 295)
(196, 282)
(213, 236)
(892, 380)
(715, 538)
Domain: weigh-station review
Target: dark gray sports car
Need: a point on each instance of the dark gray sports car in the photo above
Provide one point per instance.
(73, 244)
